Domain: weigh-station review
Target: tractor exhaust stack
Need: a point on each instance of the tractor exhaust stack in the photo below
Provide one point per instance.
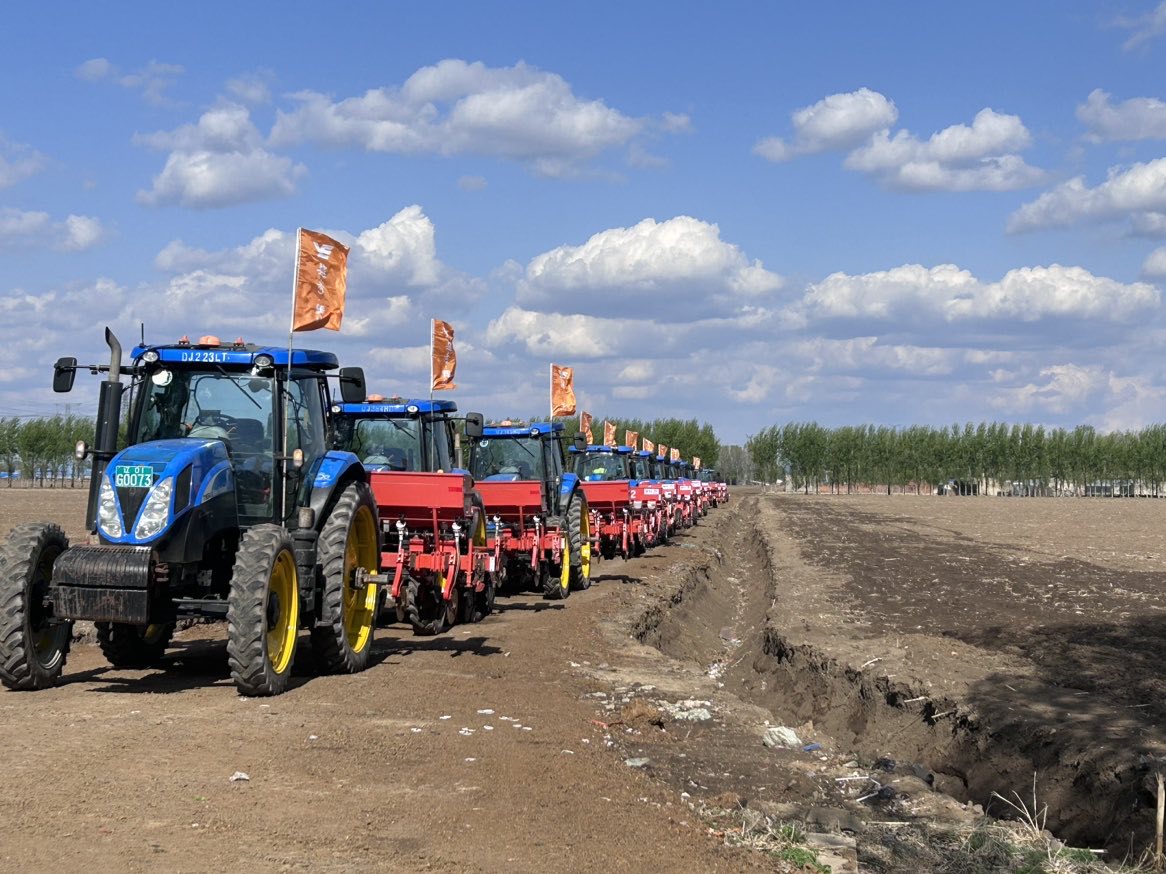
(108, 421)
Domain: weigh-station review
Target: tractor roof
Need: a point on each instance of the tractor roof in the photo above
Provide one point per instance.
(595, 448)
(396, 408)
(209, 350)
(534, 429)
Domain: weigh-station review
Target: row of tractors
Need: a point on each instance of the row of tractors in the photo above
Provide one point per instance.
(241, 489)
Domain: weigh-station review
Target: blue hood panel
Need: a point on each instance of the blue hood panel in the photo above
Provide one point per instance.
(169, 457)
(134, 466)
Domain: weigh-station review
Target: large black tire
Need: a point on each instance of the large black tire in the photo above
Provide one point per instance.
(342, 639)
(484, 600)
(263, 612)
(578, 519)
(428, 612)
(33, 647)
(556, 578)
(133, 646)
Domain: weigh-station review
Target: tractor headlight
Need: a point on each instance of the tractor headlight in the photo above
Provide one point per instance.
(156, 513)
(108, 519)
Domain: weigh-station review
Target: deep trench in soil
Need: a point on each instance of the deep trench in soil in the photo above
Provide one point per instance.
(1097, 796)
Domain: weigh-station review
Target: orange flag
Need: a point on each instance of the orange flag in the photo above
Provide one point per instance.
(675, 454)
(321, 279)
(696, 462)
(608, 433)
(585, 427)
(630, 438)
(562, 390)
(662, 451)
(648, 445)
(444, 364)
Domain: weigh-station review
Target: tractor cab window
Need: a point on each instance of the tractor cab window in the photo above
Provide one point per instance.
(305, 418)
(439, 436)
(232, 407)
(384, 444)
(506, 458)
(601, 467)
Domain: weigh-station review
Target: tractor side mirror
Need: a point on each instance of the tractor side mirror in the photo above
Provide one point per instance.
(475, 422)
(352, 387)
(64, 372)
(580, 442)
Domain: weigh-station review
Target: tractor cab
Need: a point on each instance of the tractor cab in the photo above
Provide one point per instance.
(396, 434)
(522, 453)
(640, 465)
(601, 463)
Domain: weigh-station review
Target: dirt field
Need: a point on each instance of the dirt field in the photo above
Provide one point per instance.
(922, 644)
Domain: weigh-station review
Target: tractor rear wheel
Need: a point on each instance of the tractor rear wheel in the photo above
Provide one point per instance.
(579, 541)
(33, 645)
(133, 646)
(263, 611)
(342, 640)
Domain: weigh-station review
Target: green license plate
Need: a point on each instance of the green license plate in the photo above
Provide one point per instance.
(133, 476)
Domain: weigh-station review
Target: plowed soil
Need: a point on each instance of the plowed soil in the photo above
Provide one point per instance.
(940, 648)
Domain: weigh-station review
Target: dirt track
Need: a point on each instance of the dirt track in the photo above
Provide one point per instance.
(967, 639)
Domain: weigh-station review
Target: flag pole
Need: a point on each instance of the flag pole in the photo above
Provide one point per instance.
(291, 333)
(432, 430)
(551, 390)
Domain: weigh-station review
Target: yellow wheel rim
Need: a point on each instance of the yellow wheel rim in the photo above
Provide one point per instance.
(565, 567)
(585, 549)
(360, 604)
(283, 612)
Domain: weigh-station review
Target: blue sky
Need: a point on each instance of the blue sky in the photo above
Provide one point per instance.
(746, 213)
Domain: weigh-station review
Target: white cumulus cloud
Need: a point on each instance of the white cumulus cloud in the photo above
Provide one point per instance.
(976, 157)
(1139, 188)
(18, 162)
(151, 81)
(838, 121)
(1139, 118)
(218, 161)
(982, 156)
(1155, 264)
(26, 229)
(952, 294)
(679, 269)
(455, 107)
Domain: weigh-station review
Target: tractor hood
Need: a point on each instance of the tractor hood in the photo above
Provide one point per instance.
(148, 486)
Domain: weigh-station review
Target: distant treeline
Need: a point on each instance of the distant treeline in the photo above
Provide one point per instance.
(688, 435)
(996, 455)
(40, 451)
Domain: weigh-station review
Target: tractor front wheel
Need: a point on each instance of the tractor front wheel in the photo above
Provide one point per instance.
(33, 644)
(342, 641)
(578, 520)
(263, 611)
(133, 646)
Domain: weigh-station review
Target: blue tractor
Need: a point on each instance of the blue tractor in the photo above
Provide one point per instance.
(503, 459)
(225, 502)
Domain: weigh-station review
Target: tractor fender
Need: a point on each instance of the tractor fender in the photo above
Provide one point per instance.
(329, 476)
(567, 488)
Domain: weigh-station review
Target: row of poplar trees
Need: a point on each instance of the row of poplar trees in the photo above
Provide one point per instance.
(41, 449)
(1028, 459)
(691, 437)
